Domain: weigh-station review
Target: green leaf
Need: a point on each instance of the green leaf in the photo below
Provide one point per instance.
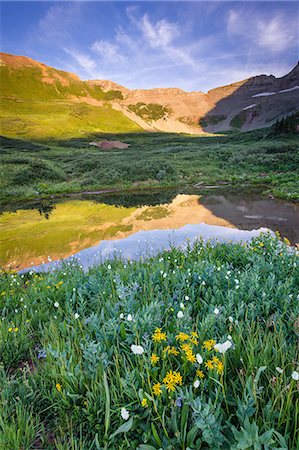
(156, 436)
(124, 428)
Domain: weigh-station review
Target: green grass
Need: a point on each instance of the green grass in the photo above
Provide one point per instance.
(51, 119)
(43, 167)
(67, 367)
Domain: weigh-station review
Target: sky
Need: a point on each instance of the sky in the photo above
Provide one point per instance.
(191, 45)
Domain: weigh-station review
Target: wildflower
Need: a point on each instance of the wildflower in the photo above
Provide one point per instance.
(182, 306)
(129, 318)
(154, 359)
(186, 297)
(216, 311)
(278, 369)
(77, 316)
(209, 364)
(220, 367)
(124, 413)
(137, 349)
(182, 337)
(199, 358)
(16, 329)
(295, 375)
(208, 345)
(58, 387)
(109, 267)
(171, 351)
(144, 403)
(200, 374)
(180, 315)
(56, 305)
(157, 389)
(194, 334)
(222, 348)
(190, 356)
(179, 402)
(171, 380)
(121, 316)
(186, 347)
(158, 335)
(42, 354)
(231, 319)
(216, 360)
(196, 384)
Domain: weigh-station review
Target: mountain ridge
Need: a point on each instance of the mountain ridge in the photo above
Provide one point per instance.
(247, 104)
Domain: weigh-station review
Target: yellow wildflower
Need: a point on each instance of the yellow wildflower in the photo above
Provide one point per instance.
(58, 387)
(194, 341)
(171, 380)
(157, 389)
(173, 351)
(220, 367)
(10, 329)
(154, 359)
(16, 329)
(209, 345)
(186, 348)
(3, 293)
(209, 364)
(144, 403)
(194, 334)
(216, 360)
(190, 356)
(200, 374)
(158, 335)
(182, 337)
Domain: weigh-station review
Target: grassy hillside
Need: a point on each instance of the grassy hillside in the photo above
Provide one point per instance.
(40, 168)
(38, 101)
(52, 119)
(125, 356)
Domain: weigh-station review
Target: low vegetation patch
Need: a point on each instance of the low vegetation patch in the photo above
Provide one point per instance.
(149, 111)
(194, 349)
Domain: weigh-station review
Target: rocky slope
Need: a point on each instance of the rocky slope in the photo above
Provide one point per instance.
(253, 103)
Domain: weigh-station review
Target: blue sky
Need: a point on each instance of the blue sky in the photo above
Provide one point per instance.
(191, 45)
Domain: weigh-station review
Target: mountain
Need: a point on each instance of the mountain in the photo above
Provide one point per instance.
(40, 101)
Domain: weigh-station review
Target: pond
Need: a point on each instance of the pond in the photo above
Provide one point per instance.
(38, 232)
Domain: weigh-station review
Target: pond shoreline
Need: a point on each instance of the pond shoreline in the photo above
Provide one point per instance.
(145, 188)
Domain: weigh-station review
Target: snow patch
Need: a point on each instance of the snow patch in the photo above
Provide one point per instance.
(250, 106)
(289, 90)
(264, 94)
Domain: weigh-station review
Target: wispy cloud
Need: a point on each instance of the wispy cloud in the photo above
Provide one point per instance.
(83, 59)
(274, 33)
(108, 50)
(159, 34)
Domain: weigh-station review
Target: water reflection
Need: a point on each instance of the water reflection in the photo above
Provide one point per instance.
(58, 229)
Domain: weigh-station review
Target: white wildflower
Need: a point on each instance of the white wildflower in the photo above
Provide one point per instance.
(180, 314)
(199, 358)
(222, 348)
(182, 306)
(129, 318)
(196, 384)
(121, 316)
(231, 319)
(56, 304)
(295, 375)
(77, 316)
(186, 297)
(279, 370)
(137, 349)
(216, 311)
(124, 413)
